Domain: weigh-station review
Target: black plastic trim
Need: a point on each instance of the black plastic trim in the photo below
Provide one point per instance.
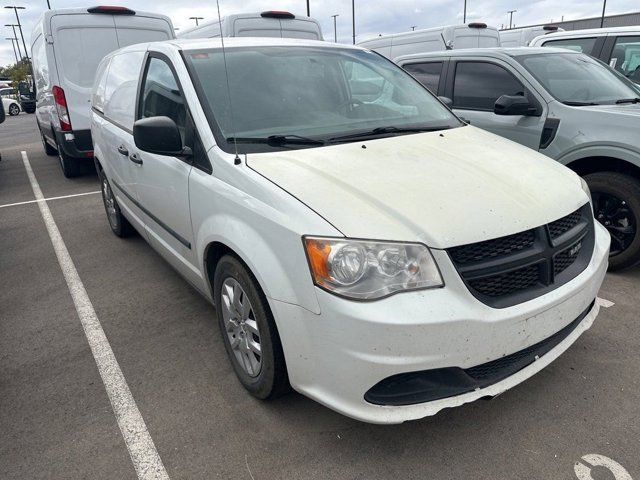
(542, 253)
(429, 385)
(168, 229)
(549, 132)
(80, 147)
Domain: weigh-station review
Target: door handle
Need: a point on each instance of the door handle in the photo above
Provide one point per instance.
(135, 158)
(123, 151)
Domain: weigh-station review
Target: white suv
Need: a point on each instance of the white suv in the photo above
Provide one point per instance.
(361, 243)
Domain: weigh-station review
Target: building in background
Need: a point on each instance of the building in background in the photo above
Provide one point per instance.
(622, 20)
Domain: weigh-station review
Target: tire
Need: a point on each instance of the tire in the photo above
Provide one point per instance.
(270, 380)
(71, 167)
(616, 204)
(48, 149)
(120, 226)
(14, 109)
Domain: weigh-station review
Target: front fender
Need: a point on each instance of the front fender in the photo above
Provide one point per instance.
(601, 150)
(283, 275)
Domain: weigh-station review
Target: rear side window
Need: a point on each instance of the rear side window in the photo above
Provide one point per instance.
(161, 95)
(97, 97)
(426, 73)
(478, 85)
(625, 57)
(121, 87)
(582, 45)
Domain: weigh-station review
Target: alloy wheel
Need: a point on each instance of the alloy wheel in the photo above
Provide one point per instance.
(241, 327)
(14, 109)
(616, 216)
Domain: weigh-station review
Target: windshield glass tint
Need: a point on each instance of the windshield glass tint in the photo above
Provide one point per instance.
(311, 92)
(578, 79)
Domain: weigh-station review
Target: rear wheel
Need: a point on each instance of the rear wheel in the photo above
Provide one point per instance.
(117, 221)
(616, 204)
(14, 109)
(248, 330)
(70, 166)
(48, 149)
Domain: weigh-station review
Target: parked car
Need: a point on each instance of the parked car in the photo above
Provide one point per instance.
(473, 35)
(360, 242)
(617, 46)
(521, 37)
(266, 24)
(11, 105)
(27, 97)
(566, 105)
(67, 47)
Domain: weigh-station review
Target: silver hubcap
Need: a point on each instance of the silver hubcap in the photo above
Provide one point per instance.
(109, 203)
(14, 110)
(241, 327)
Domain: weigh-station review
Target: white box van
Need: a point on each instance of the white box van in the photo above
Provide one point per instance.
(67, 46)
(265, 24)
(473, 35)
(521, 37)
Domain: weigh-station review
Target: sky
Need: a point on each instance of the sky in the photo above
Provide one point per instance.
(373, 17)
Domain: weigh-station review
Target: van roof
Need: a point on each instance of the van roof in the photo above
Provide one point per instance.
(594, 31)
(241, 15)
(428, 30)
(231, 42)
(480, 52)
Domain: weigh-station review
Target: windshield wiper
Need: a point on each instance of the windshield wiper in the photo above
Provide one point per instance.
(580, 104)
(628, 100)
(385, 130)
(277, 140)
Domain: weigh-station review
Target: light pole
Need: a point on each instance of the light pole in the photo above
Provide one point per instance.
(15, 9)
(16, 37)
(353, 19)
(335, 28)
(464, 14)
(604, 9)
(196, 19)
(511, 12)
(14, 47)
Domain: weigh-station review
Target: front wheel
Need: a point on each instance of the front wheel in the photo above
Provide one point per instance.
(248, 330)
(616, 205)
(14, 109)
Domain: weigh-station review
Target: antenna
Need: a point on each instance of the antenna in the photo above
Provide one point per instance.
(236, 160)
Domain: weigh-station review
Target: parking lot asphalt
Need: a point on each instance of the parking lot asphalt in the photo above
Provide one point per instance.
(56, 419)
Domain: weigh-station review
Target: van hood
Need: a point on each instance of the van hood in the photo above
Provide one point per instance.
(443, 189)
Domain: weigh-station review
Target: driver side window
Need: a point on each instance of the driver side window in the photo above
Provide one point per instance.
(161, 95)
(478, 85)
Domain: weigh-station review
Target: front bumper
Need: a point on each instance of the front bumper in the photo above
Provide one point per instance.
(339, 355)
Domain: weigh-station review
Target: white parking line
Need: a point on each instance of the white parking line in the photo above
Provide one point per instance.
(144, 455)
(48, 199)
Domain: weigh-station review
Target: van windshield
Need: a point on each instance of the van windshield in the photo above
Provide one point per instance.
(300, 97)
(579, 80)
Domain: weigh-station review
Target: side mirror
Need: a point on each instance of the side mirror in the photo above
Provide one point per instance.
(514, 105)
(447, 101)
(159, 135)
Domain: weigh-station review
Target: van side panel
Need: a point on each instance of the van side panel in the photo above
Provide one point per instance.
(45, 109)
(300, 28)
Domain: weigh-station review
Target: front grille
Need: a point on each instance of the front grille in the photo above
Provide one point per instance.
(516, 268)
(476, 252)
(562, 226)
(506, 283)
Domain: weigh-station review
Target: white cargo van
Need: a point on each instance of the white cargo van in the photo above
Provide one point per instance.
(521, 37)
(265, 24)
(473, 35)
(67, 46)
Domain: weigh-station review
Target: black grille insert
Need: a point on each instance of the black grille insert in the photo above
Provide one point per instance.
(513, 269)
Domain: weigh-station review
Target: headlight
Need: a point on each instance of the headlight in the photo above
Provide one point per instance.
(367, 270)
(586, 189)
